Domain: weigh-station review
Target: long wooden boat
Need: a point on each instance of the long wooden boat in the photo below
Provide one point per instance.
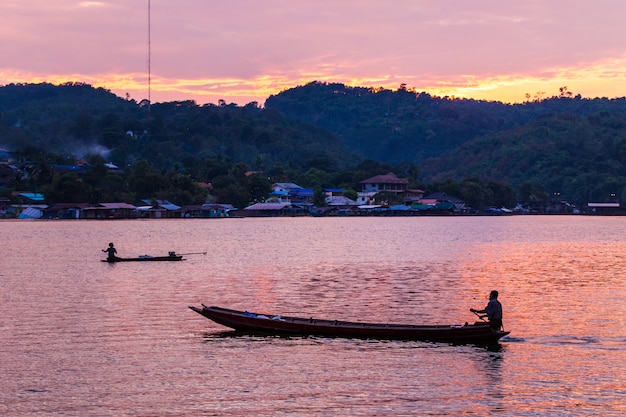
(244, 321)
(145, 259)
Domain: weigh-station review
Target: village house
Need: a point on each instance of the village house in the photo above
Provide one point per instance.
(206, 211)
(110, 211)
(379, 183)
(25, 198)
(281, 192)
(605, 209)
(388, 183)
(302, 196)
(333, 192)
(158, 209)
(65, 211)
(441, 202)
(288, 192)
(275, 210)
(340, 201)
(413, 196)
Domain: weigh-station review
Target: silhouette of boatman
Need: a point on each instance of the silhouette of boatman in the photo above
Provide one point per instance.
(111, 251)
(493, 310)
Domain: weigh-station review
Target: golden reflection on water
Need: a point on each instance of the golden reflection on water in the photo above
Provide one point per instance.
(557, 287)
(564, 301)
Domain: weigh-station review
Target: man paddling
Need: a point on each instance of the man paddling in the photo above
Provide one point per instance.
(111, 252)
(493, 310)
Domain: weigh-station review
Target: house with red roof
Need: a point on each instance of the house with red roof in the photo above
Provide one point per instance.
(387, 183)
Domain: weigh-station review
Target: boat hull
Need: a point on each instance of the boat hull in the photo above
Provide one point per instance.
(478, 333)
(146, 259)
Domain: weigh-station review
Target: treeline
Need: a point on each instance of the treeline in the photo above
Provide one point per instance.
(92, 180)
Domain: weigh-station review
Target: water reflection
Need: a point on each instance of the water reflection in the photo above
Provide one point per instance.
(488, 374)
(540, 285)
(269, 337)
(83, 337)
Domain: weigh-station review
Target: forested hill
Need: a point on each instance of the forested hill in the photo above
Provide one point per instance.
(564, 144)
(394, 126)
(579, 158)
(77, 119)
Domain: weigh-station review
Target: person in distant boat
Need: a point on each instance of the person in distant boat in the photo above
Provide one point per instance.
(493, 310)
(111, 251)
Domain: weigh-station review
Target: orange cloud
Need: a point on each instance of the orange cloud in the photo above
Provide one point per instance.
(600, 79)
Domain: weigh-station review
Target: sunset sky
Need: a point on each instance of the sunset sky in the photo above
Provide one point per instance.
(246, 50)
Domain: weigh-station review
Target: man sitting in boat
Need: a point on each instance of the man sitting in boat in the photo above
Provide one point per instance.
(493, 310)
(111, 252)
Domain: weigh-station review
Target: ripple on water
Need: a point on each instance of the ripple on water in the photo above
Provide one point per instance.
(81, 337)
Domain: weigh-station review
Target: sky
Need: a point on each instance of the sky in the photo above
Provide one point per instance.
(242, 51)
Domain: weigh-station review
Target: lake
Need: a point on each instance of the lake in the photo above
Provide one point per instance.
(81, 337)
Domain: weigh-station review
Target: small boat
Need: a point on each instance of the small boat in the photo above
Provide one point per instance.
(244, 321)
(146, 258)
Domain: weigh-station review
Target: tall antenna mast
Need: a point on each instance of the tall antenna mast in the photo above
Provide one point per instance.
(149, 59)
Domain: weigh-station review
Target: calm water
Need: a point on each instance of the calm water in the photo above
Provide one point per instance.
(79, 337)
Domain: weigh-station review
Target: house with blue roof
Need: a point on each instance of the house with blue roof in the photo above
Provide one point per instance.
(333, 192)
(281, 192)
(301, 195)
(30, 198)
(159, 209)
(288, 192)
(5, 156)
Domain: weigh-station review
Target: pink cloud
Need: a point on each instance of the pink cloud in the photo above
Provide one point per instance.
(244, 49)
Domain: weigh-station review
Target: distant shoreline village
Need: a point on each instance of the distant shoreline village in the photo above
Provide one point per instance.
(292, 200)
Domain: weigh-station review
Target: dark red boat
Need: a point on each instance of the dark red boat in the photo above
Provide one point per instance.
(244, 321)
(146, 258)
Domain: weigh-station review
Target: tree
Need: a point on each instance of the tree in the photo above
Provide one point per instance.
(315, 178)
(146, 181)
(97, 170)
(532, 192)
(388, 198)
(563, 93)
(240, 171)
(319, 198)
(448, 186)
(474, 193)
(66, 188)
(502, 195)
(259, 188)
(351, 194)
(41, 174)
